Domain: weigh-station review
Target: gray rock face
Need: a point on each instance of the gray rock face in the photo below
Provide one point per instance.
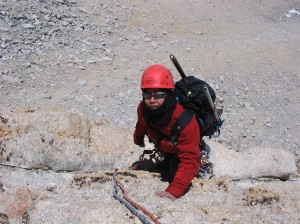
(57, 166)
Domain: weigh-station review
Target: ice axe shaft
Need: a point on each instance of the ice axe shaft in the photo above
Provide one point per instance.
(212, 105)
(177, 65)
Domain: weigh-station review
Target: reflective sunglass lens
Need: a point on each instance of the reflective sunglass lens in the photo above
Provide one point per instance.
(146, 96)
(159, 95)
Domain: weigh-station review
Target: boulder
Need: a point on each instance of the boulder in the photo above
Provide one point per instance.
(15, 202)
(61, 141)
(256, 162)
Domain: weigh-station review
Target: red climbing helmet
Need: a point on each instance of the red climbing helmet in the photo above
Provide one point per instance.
(157, 77)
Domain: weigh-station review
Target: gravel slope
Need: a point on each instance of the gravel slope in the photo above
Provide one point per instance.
(88, 56)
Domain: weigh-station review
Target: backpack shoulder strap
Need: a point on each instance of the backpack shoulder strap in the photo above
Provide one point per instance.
(182, 121)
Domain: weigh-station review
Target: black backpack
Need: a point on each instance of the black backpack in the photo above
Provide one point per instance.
(197, 97)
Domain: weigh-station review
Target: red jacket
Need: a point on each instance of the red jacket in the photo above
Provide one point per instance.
(187, 148)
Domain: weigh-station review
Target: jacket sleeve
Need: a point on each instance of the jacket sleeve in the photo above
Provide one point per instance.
(140, 127)
(188, 152)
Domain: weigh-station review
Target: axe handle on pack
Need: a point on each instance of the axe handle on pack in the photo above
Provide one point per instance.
(177, 65)
(212, 105)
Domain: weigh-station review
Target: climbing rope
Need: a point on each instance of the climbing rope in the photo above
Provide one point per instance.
(130, 204)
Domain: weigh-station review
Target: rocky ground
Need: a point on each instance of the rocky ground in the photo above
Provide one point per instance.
(70, 75)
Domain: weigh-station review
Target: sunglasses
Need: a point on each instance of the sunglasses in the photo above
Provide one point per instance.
(157, 96)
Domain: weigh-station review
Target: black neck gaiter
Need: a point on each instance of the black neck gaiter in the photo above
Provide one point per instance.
(161, 116)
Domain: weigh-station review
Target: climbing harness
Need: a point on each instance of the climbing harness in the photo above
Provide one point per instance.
(130, 204)
(149, 160)
(155, 155)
